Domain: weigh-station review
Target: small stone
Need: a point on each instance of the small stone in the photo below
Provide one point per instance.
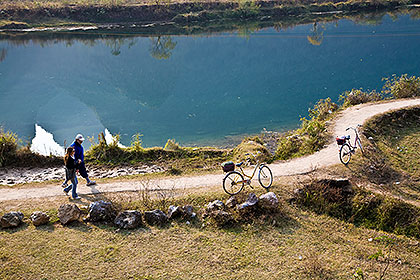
(129, 219)
(39, 218)
(68, 213)
(101, 211)
(215, 205)
(232, 202)
(269, 201)
(11, 219)
(156, 217)
(175, 212)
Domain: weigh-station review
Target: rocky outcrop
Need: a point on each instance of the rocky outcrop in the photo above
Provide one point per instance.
(101, 211)
(11, 219)
(129, 219)
(156, 218)
(68, 213)
(39, 218)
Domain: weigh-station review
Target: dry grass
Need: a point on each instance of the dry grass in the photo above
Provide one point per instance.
(300, 246)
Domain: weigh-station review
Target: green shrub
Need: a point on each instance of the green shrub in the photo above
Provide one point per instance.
(323, 109)
(8, 146)
(357, 96)
(402, 87)
(172, 145)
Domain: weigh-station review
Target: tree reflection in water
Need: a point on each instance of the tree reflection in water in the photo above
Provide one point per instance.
(161, 47)
(317, 34)
(3, 53)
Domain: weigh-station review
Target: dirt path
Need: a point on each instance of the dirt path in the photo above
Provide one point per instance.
(327, 156)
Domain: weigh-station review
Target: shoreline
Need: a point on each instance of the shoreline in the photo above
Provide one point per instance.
(177, 16)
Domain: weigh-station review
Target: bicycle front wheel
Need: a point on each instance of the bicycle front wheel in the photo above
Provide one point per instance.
(265, 177)
(233, 183)
(345, 154)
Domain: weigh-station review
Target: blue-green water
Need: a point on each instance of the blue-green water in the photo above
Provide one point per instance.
(195, 89)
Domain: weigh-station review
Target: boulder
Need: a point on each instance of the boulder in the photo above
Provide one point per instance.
(68, 213)
(156, 217)
(189, 212)
(232, 202)
(11, 219)
(222, 218)
(269, 201)
(39, 218)
(101, 211)
(175, 212)
(215, 205)
(250, 204)
(129, 219)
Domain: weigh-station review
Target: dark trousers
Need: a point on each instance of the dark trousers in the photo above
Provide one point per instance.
(82, 170)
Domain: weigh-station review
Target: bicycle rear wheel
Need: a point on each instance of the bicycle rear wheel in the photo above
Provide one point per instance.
(345, 154)
(233, 183)
(265, 177)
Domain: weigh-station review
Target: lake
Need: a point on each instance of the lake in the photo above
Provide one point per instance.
(199, 90)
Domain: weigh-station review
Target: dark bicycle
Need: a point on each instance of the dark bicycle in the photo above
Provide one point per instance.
(346, 148)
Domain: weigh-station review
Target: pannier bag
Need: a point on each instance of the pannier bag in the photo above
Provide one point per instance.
(228, 166)
(341, 140)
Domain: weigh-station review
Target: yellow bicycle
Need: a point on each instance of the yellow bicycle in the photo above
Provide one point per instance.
(234, 181)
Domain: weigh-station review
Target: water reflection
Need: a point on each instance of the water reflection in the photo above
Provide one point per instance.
(186, 88)
(317, 34)
(162, 47)
(3, 53)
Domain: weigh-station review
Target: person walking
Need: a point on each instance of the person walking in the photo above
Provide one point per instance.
(70, 163)
(79, 156)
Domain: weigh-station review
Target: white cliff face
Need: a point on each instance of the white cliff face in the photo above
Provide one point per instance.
(109, 138)
(44, 143)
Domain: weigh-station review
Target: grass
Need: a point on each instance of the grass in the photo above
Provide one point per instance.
(302, 245)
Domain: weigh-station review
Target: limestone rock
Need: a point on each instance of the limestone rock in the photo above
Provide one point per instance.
(189, 212)
(156, 217)
(101, 211)
(269, 201)
(129, 219)
(68, 213)
(11, 219)
(222, 218)
(215, 205)
(175, 212)
(250, 204)
(39, 218)
(232, 202)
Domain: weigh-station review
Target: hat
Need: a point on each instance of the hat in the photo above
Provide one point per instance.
(80, 137)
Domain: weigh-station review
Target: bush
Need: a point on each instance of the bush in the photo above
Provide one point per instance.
(357, 96)
(323, 109)
(402, 87)
(8, 146)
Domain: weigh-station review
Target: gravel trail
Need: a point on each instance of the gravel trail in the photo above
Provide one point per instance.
(325, 157)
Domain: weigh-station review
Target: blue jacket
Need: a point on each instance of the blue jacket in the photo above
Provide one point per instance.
(78, 151)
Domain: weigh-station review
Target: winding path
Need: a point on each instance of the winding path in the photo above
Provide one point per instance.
(327, 156)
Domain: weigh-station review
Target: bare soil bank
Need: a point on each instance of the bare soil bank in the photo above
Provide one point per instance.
(18, 16)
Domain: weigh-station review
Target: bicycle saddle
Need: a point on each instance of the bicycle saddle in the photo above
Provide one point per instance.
(239, 164)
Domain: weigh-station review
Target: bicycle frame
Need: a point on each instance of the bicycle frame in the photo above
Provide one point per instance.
(249, 178)
(355, 139)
